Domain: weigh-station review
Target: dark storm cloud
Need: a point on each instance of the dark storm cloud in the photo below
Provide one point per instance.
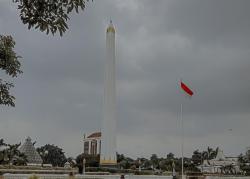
(206, 43)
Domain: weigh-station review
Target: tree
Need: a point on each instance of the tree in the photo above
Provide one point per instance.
(120, 157)
(197, 158)
(170, 156)
(52, 154)
(12, 151)
(146, 164)
(244, 161)
(48, 15)
(11, 154)
(21, 159)
(10, 64)
(212, 153)
(45, 15)
(155, 161)
(209, 154)
(91, 161)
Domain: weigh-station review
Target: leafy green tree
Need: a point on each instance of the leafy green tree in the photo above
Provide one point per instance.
(91, 161)
(48, 16)
(163, 165)
(11, 155)
(71, 161)
(155, 161)
(10, 64)
(210, 153)
(12, 151)
(120, 157)
(244, 161)
(20, 159)
(166, 164)
(124, 164)
(146, 164)
(52, 154)
(197, 158)
(170, 156)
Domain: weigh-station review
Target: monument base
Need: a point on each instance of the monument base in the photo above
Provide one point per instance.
(108, 166)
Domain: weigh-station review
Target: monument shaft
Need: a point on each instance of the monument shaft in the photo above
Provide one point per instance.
(108, 149)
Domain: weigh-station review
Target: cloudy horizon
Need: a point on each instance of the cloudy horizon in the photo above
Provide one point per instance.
(59, 96)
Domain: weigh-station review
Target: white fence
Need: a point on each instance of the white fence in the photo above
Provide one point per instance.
(65, 176)
(62, 176)
(226, 177)
(147, 177)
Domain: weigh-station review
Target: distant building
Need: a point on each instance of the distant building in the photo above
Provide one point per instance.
(92, 143)
(30, 151)
(221, 164)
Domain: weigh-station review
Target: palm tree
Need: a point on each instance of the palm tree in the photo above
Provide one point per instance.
(12, 152)
(21, 159)
(210, 153)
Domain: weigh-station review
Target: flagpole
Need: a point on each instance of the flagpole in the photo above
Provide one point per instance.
(182, 142)
(190, 93)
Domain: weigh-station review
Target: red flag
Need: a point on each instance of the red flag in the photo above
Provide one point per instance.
(186, 89)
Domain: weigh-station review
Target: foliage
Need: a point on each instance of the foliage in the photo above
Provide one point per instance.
(48, 15)
(199, 157)
(20, 160)
(91, 161)
(11, 154)
(244, 161)
(120, 157)
(71, 161)
(170, 156)
(52, 154)
(210, 153)
(155, 161)
(125, 162)
(10, 64)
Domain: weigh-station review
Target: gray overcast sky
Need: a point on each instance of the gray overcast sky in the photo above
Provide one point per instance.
(206, 43)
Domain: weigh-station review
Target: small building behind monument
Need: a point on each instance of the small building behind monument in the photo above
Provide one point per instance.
(92, 143)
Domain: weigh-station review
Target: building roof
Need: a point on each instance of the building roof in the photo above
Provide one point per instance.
(30, 151)
(95, 135)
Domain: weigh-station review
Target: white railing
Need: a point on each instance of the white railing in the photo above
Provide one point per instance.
(147, 177)
(65, 176)
(58, 176)
(227, 177)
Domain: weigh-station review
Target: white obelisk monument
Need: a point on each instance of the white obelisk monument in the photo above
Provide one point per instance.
(108, 146)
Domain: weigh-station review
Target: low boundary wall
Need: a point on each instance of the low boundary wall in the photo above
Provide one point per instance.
(66, 176)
